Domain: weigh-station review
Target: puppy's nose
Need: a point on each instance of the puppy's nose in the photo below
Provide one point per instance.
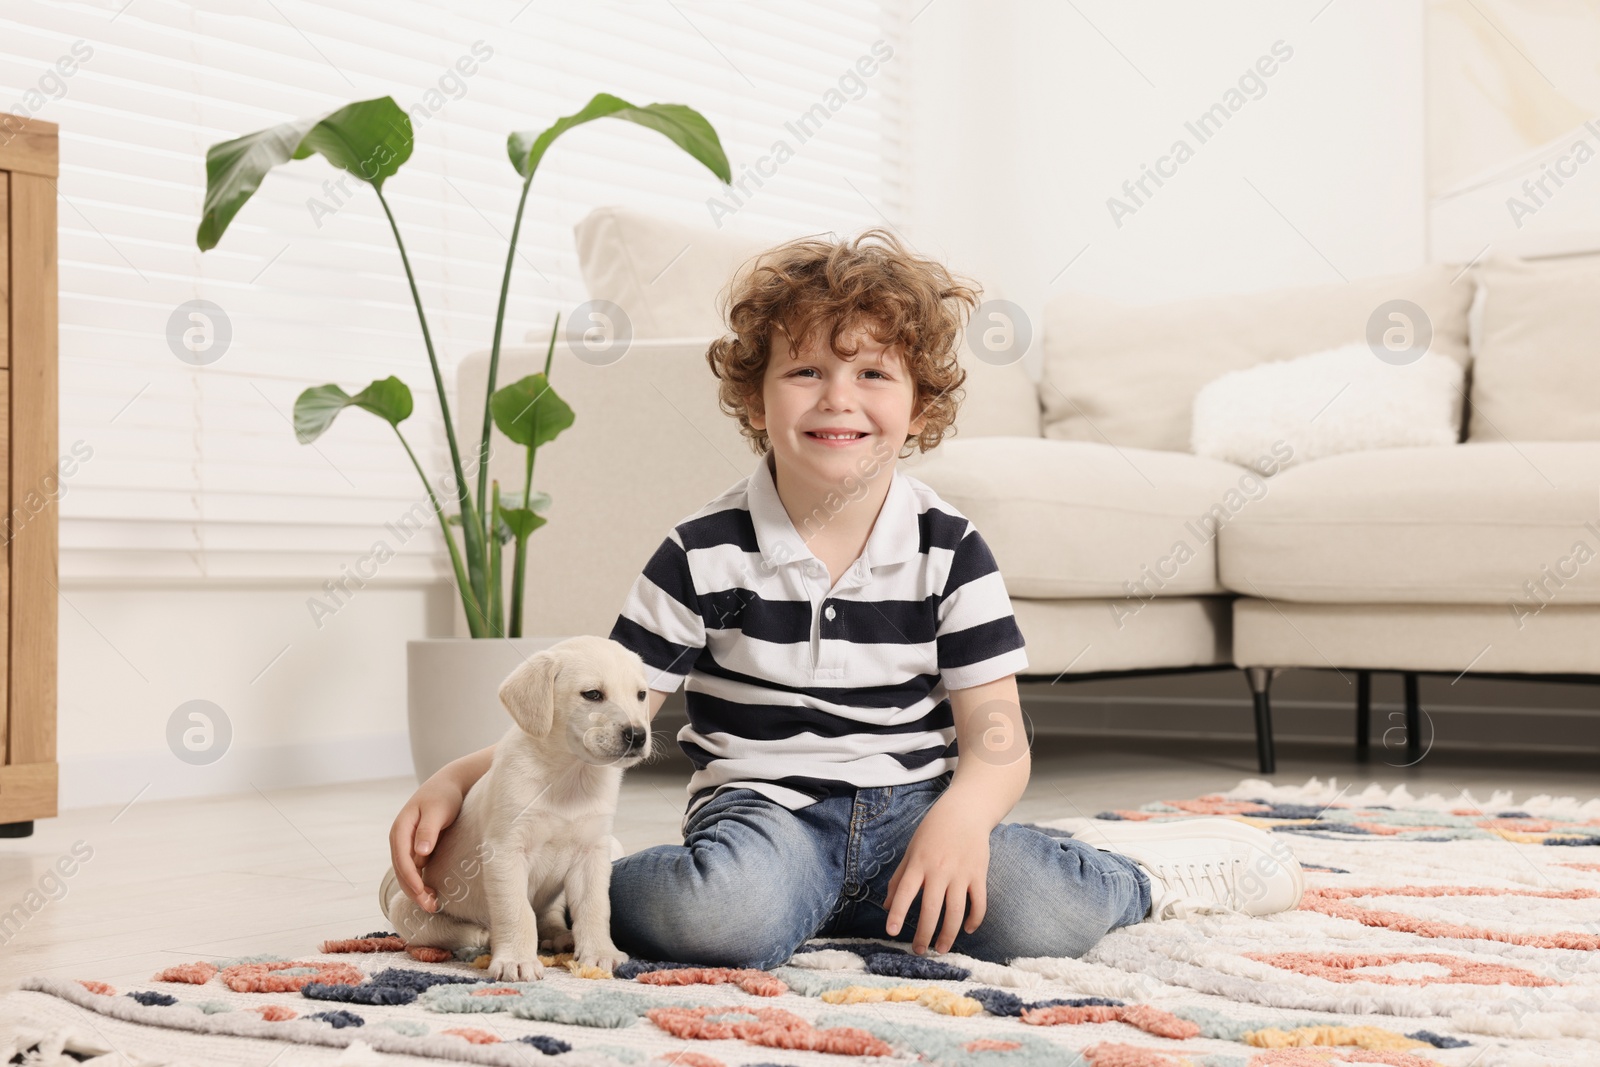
(634, 737)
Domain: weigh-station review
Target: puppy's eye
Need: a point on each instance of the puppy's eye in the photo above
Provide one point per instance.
(593, 694)
(641, 694)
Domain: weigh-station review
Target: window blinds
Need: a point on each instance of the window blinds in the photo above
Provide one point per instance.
(193, 471)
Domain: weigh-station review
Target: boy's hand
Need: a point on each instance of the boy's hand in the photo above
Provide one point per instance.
(948, 859)
(432, 808)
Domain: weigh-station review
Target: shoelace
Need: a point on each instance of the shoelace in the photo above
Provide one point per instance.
(1188, 878)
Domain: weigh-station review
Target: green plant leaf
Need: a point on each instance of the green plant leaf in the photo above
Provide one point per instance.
(685, 126)
(540, 502)
(512, 502)
(517, 522)
(315, 409)
(529, 412)
(369, 138)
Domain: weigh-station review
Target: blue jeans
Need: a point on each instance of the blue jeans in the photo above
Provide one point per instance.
(753, 881)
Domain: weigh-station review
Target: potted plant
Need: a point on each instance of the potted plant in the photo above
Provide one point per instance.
(453, 684)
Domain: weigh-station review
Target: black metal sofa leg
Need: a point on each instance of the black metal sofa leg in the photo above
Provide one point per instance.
(1363, 716)
(1413, 721)
(1260, 680)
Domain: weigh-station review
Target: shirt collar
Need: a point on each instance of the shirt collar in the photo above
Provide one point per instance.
(896, 535)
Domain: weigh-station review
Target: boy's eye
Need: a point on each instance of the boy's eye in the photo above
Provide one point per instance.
(593, 694)
(869, 370)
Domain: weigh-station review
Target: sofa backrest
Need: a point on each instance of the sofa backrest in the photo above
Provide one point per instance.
(669, 277)
(1128, 375)
(1536, 371)
(666, 276)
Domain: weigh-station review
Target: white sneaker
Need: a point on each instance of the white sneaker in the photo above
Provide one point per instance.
(1205, 865)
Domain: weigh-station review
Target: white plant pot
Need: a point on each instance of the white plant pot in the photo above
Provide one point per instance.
(453, 694)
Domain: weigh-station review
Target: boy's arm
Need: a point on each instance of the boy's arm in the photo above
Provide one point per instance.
(466, 770)
(978, 638)
(992, 757)
(948, 857)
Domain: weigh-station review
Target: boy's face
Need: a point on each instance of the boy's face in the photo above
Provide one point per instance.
(812, 391)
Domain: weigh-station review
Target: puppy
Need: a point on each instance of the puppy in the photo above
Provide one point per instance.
(537, 827)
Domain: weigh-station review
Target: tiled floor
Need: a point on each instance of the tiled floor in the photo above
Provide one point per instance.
(174, 881)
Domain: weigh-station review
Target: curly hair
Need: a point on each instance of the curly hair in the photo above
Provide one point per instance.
(817, 283)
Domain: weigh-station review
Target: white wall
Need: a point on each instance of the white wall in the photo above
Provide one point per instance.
(305, 704)
(1028, 116)
(1513, 92)
(1025, 120)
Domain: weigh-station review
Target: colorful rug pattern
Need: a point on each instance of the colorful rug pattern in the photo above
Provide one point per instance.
(1435, 931)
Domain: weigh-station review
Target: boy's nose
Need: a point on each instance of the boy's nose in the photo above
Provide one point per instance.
(839, 394)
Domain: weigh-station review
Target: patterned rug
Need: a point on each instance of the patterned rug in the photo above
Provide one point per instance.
(1441, 930)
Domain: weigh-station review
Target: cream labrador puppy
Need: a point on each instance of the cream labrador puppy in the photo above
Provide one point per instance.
(534, 833)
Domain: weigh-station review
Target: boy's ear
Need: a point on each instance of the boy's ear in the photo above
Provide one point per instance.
(529, 693)
(914, 427)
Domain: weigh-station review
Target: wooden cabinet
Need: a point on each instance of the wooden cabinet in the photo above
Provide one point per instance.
(29, 473)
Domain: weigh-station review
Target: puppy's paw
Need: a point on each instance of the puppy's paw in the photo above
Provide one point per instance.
(606, 956)
(560, 941)
(508, 969)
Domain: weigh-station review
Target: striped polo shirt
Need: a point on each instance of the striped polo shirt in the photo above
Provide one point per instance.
(798, 690)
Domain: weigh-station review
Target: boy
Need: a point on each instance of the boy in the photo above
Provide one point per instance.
(845, 634)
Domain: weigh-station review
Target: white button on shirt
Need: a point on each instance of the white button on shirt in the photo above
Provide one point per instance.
(796, 690)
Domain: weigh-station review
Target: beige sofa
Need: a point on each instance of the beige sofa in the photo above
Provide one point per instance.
(1406, 560)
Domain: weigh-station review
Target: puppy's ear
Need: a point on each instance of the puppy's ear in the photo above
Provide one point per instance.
(529, 693)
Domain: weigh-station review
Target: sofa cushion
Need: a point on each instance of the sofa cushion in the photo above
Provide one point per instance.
(1499, 524)
(666, 276)
(1341, 400)
(999, 400)
(1074, 519)
(1128, 375)
(1450, 638)
(1073, 637)
(1536, 376)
